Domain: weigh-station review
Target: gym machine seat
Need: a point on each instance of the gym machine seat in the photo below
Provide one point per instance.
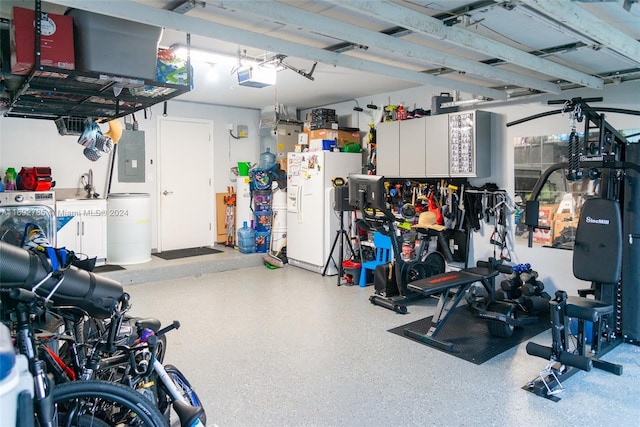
(597, 257)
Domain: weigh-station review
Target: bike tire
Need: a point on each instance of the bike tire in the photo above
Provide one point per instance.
(110, 403)
(187, 390)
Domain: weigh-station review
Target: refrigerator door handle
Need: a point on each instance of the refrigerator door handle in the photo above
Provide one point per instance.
(299, 203)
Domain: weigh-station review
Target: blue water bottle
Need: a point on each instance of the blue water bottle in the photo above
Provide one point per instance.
(246, 239)
(267, 160)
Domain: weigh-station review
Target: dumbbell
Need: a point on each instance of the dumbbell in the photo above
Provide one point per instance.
(530, 289)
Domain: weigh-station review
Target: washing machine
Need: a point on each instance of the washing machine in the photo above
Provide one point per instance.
(20, 208)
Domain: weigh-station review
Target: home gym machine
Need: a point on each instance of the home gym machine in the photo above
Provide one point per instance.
(606, 249)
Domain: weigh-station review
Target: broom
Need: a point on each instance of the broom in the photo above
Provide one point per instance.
(272, 260)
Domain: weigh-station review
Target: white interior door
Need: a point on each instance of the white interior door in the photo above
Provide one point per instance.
(187, 199)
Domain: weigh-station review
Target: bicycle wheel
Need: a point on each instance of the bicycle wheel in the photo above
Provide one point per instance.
(79, 402)
(186, 390)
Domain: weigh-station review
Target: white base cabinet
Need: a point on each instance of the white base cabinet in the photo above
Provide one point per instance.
(82, 227)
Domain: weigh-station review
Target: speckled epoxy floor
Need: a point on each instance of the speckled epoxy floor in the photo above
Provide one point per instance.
(288, 347)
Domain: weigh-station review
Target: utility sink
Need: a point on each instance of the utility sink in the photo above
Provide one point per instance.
(73, 195)
(77, 199)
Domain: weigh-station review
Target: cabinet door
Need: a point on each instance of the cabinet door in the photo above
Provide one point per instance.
(470, 144)
(462, 144)
(68, 234)
(388, 149)
(437, 146)
(412, 148)
(93, 229)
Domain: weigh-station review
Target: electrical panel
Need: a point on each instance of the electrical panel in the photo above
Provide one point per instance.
(131, 156)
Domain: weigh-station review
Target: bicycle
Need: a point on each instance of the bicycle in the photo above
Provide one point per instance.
(78, 403)
(126, 350)
(115, 346)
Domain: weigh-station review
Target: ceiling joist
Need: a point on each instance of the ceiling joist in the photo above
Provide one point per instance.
(578, 19)
(280, 12)
(408, 18)
(163, 18)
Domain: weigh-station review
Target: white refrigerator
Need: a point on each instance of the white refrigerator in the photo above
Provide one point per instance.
(312, 222)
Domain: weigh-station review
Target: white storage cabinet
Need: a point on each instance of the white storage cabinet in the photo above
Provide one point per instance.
(82, 227)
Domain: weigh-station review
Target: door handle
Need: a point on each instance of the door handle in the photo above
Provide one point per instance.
(166, 193)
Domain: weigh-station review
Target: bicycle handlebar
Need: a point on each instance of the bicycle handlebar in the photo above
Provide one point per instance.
(171, 327)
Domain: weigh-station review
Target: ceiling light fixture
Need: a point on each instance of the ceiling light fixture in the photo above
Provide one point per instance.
(200, 55)
(251, 73)
(462, 103)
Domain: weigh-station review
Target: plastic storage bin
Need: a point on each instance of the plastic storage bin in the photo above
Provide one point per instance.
(263, 220)
(263, 240)
(115, 46)
(262, 200)
(352, 271)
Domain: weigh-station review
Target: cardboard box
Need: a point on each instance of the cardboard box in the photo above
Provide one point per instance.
(561, 221)
(56, 41)
(542, 236)
(546, 214)
(340, 136)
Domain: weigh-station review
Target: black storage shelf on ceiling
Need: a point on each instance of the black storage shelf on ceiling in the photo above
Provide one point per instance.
(54, 93)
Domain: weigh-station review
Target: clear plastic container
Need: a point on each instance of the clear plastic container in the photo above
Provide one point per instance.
(267, 160)
(246, 239)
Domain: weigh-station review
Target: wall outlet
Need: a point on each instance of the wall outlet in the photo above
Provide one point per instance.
(243, 131)
(229, 126)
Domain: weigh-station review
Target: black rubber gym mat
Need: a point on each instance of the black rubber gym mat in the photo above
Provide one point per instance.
(470, 337)
(186, 253)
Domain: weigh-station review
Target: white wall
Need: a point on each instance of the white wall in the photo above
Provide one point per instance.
(30, 142)
(26, 142)
(554, 265)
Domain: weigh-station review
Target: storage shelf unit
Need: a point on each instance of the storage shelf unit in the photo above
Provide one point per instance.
(71, 95)
(53, 93)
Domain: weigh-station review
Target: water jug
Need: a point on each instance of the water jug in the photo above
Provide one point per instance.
(246, 239)
(267, 160)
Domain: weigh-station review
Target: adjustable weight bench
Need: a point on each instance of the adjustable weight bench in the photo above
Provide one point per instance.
(451, 286)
